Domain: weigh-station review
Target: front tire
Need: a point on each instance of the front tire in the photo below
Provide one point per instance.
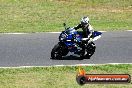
(58, 51)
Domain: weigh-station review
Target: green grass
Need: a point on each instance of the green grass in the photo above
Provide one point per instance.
(48, 15)
(58, 77)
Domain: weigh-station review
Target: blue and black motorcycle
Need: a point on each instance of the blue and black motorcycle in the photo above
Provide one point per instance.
(70, 40)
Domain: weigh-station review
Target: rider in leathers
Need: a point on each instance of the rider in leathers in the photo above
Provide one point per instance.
(87, 31)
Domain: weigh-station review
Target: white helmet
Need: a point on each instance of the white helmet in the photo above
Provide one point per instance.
(84, 20)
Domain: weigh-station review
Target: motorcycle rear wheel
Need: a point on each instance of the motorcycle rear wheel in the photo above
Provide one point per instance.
(90, 50)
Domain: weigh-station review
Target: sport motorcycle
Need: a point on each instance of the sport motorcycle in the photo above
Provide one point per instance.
(71, 40)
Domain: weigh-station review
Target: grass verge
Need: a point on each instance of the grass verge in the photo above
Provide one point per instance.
(58, 77)
(48, 15)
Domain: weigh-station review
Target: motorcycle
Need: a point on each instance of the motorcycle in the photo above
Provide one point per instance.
(70, 40)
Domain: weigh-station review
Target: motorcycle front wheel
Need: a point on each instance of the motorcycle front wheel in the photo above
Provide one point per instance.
(58, 51)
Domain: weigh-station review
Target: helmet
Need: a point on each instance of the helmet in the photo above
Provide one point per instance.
(84, 21)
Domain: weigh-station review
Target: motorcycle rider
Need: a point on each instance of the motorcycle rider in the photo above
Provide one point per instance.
(87, 31)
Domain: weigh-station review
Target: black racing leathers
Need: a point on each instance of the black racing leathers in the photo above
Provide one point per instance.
(87, 30)
(87, 33)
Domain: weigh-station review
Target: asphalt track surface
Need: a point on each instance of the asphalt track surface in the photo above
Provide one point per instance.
(34, 50)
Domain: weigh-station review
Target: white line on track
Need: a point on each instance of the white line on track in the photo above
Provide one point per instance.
(60, 32)
(91, 64)
(68, 65)
(102, 31)
(53, 32)
(129, 30)
(47, 32)
(14, 33)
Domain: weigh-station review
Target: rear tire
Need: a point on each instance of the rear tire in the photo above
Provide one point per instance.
(90, 50)
(81, 56)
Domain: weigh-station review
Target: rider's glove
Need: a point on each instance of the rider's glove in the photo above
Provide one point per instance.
(90, 40)
(85, 39)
